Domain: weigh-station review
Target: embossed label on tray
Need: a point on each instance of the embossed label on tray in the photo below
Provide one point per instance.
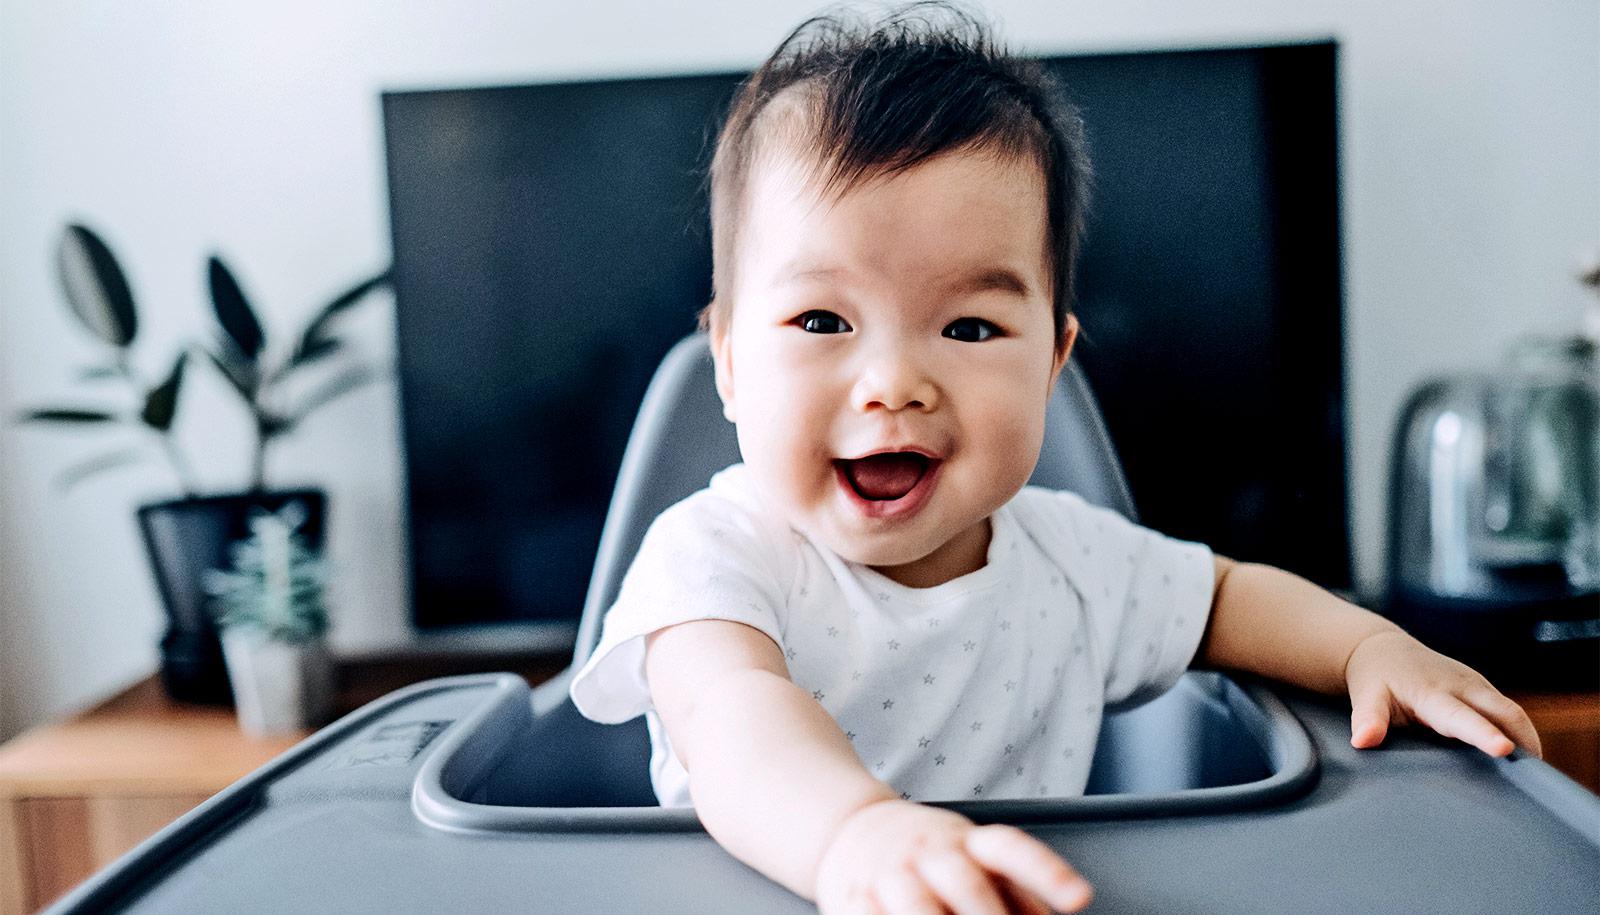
(391, 745)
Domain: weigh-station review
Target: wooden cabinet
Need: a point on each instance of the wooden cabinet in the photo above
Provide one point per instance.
(77, 794)
(1569, 729)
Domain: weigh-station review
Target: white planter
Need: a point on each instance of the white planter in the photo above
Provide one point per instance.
(278, 687)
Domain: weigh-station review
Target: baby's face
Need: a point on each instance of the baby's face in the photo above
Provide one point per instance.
(889, 356)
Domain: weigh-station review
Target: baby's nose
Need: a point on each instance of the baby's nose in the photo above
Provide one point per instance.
(895, 383)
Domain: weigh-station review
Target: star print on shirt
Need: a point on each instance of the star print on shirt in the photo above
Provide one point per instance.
(817, 694)
(968, 645)
(927, 678)
(790, 654)
(894, 645)
(1011, 685)
(833, 631)
(1005, 625)
(977, 726)
(923, 743)
(849, 735)
(939, 760)
(888, 704)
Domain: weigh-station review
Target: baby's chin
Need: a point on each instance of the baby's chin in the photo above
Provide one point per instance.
(884, 550)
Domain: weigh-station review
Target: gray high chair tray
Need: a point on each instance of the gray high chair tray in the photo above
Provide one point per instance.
(1224, 795)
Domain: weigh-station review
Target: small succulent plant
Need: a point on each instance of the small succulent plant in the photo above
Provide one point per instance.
(99, 296)
(276, 584)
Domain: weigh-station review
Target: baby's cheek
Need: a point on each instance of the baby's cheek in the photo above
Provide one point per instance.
(784, 462)
(1010, 438)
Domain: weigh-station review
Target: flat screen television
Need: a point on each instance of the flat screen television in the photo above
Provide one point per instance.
(551, 243)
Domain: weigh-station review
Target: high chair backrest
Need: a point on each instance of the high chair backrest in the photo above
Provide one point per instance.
(681, 439)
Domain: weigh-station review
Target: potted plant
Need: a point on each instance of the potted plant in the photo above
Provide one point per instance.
(270, 610)
(189, 535)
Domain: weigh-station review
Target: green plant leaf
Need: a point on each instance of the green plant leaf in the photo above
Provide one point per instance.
(161, 404)
(95, 286)
(234, 313)
(77, 473)
(306, 354)
(81, 415)
(98, 373)
(341, 303)
(240, 375)
(271, 425)
(338, 386)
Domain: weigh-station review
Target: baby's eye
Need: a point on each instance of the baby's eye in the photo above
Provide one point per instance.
(971, 330)
(821, 322)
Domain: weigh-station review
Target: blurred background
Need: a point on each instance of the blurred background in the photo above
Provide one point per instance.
(1469, 188)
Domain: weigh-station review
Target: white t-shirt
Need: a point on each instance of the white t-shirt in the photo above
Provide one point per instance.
(990, 685)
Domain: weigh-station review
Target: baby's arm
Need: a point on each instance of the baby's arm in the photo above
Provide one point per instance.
(1274, 623)
(776, 782)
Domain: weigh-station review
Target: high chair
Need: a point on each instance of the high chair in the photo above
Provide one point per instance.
(1226, 794)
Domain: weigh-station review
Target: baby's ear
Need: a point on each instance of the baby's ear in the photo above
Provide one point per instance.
(722, 361)
(1069, 336)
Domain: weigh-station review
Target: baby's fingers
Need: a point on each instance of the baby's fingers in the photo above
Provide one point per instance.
(1508, 715)
(961, 883)
(1369, 714)
(1029, 863)
(1453, 718)
(1020, 900)
(902, 892)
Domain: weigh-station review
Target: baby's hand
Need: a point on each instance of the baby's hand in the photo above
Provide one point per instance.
(1393, 678)
(896, 856)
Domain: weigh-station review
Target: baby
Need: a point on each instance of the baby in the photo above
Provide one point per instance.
(873, 609)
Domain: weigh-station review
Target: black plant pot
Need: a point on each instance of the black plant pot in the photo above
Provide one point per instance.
(185, 539)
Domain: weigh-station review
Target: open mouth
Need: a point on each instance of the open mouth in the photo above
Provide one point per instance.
(885, 477)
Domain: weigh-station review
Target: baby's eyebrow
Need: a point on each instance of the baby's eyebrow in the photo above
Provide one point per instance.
(990, 279)
(984, 279)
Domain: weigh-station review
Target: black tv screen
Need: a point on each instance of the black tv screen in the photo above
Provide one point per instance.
(551, 242)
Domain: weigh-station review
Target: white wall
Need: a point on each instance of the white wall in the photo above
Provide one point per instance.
(1471, 167)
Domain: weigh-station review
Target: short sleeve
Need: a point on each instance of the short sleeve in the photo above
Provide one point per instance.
(703, 558)
(1147, 598)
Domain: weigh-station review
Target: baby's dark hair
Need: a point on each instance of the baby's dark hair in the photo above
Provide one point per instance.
(863, 100)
